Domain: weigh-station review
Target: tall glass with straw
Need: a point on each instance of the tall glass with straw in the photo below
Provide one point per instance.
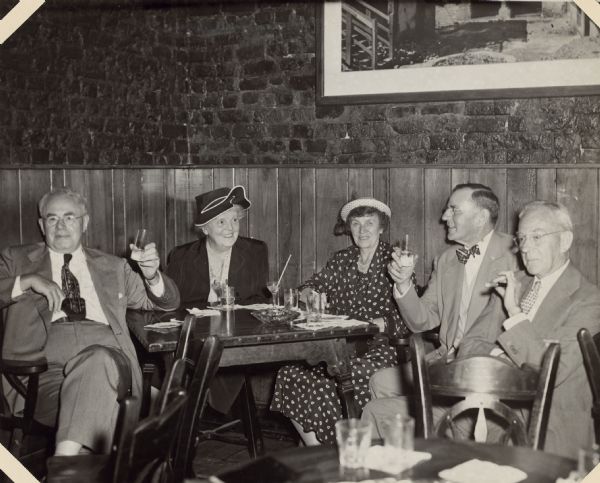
(273, 285)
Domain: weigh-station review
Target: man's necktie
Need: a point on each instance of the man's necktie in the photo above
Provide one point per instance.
(463, 253)
(73, 305)
(529, 298)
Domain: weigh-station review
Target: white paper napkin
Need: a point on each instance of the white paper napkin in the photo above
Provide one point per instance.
(257, 306)
(164, 325)
(393, 460)
(328, 324)
(471, 472)
(203, 312)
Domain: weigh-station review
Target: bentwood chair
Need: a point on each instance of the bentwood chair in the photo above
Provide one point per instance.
(475, 386)
(199, 365)
(590, 351)
(141, 452)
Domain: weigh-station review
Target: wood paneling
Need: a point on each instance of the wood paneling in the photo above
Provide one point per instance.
(294, 209)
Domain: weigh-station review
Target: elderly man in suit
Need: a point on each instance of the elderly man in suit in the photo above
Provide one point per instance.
(68, 303)
(457, 291)
(550, 301)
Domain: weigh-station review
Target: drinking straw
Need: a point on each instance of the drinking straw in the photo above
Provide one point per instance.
(406, 241)
(283, 271)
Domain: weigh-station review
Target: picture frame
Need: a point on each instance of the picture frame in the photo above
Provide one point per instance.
(538, 78)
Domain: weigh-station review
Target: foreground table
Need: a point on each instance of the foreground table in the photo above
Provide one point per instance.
(247, 341)
(320, 463)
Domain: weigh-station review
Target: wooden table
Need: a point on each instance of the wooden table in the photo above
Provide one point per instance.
(247, 341)
(319, 464)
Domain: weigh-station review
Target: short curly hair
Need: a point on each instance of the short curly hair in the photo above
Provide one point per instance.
(343, 227)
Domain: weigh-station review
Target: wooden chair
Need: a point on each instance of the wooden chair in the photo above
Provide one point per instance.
(198, 365)
(141, 452)
(590, 350)
(30, 441)
(484, 383)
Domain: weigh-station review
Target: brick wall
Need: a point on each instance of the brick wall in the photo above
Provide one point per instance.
(234, 83)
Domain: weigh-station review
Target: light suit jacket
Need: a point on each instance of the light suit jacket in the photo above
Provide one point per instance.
(27, 318)
(571, 304)
(440, 304)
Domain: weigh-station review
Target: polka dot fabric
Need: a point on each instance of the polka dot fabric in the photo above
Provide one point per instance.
(308, 394)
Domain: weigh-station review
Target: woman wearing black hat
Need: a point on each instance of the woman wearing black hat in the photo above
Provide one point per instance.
(220, 256)
(357, 284)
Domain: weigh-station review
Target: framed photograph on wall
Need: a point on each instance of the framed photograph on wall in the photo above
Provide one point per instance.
(431, 50)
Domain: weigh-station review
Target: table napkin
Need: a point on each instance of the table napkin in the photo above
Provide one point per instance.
(164, 325)
(328, 324)
(203, 312)
(393, 460)
(471, 472)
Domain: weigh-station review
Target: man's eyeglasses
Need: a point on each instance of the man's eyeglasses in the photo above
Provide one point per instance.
(535, 238)
(68, 220)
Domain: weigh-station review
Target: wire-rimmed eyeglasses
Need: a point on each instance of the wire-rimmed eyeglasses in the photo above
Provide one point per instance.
(68, 220)
(520, 239)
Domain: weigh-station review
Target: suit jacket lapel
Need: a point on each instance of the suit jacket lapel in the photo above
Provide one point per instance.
(556, 299)
(479, 297)
(452, 281)
(102, 274)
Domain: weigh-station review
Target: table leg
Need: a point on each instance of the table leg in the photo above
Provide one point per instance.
(338, 365)
(249, 420)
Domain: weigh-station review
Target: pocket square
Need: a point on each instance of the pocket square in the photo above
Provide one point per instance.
(120, 295)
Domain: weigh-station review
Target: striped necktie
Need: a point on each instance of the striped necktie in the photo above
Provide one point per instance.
(73, 305)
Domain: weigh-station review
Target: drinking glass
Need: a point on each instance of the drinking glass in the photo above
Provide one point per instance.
(315, 306)
(141, 238)
(273, 287)
(290, 298)
(217, 287)
(399, 432)
(407, 256)
(228, 297)
(353, 438)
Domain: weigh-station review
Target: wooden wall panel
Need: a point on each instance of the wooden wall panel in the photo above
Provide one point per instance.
(262, 216)
(408, 211)
(294, 209)
(331, 194)
(578, 191)
(10, 221)
(438, 184)
(289, 216)
(33, 185)
(520, 188)
(308, 225)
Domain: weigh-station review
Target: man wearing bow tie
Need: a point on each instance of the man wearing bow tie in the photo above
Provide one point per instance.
(457, 292)
(67, 303)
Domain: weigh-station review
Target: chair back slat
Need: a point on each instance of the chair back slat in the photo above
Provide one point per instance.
(148, 446)
(540, 412)
(590, 352)
(202, 369)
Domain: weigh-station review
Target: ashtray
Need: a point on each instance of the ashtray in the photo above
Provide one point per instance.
(275, 315)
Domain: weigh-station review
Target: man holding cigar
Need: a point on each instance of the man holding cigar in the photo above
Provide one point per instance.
(457, 291)
(549, 302)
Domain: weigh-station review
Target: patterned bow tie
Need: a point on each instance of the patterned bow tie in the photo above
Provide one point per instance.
(463, 253)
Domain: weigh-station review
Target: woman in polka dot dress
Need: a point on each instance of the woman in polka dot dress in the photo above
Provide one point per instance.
(357, 284)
